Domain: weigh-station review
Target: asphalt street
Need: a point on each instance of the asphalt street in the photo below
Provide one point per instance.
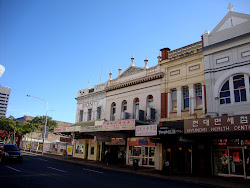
(37, 171)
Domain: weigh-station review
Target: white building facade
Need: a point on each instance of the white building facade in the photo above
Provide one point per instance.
(227, 66)
(136, 95)
(227, 78)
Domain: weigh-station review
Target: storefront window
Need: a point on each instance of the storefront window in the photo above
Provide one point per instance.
(221, 157)
(232, 157)
(236, 161)
(79, 147)
(144, 153)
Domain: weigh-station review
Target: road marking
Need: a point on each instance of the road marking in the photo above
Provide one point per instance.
(42, 159)
(13, 168)
(56, 169)
(93, 171)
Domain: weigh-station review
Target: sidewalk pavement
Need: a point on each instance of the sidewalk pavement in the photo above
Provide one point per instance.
(214, 181)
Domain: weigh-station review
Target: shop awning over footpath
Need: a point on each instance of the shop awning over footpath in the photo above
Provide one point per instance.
(102, 130)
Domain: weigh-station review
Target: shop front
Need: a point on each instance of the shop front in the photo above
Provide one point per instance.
(145, 151)
(230, 143)
(232, 157)
(117, 132)
(176, 150)
(143, 147)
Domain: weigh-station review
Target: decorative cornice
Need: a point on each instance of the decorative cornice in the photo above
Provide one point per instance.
(135, 81)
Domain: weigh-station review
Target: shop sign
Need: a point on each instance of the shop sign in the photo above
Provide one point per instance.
(164, 131)
(146, 130)
(116, 141)
(63, 139)
(91, 128)
(143, 142)
(69, 150)
(67, 129)
(140, 142)
(218, 124)
(102, 139)
(119, 125)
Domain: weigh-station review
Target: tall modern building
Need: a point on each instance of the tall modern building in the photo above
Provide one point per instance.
(4, 99)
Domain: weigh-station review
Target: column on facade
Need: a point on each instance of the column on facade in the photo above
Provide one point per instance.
(179, 101)
(246, 78)
(203, 98)
(130, 108)
(169, 104)
(191, 99)
(231, 87)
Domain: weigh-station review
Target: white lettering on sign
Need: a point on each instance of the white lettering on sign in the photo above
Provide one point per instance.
(217, 121)
(206, 122)
(231, 120)
(242, 127)
(243, 119)
(195, 123)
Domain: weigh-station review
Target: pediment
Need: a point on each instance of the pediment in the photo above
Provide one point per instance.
(131, 70)
(232, 19)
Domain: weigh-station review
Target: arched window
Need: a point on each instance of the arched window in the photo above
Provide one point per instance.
(124, 106)
(136, 108)
(150, 110)
(238, 86)
(124, 110)
(150, 100)
(225, 94)
(113, 110)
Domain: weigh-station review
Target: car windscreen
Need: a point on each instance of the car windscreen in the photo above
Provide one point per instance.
(11, 148)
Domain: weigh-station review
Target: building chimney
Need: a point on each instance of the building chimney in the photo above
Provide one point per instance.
(164, 53)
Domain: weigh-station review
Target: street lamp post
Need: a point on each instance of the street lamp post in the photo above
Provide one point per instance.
(44, 132)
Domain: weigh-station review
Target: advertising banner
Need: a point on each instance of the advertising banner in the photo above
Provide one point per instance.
(146, 130)
(91, 128)
(218, 124)
(67, 129)
(128, 124)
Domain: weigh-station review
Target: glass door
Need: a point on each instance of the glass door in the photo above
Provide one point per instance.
(149, 156)
(236, 161)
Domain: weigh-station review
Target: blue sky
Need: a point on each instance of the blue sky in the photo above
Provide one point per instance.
(48, 47)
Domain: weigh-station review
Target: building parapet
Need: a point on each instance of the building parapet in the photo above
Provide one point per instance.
(185, 51)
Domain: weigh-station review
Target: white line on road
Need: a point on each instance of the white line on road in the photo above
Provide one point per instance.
(13, 169)
(93, 171)
(56, 169)
(42, 159)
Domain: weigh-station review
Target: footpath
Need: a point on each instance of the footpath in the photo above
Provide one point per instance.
(214, 181)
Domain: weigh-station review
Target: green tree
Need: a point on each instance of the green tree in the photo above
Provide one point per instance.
(39, 121)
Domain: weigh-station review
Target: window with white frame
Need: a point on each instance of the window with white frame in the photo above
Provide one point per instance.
(124, 106)
(81, 116)
(113, 111)
(198, 95)
(185, 95)
(174, 99)
(225, 94)
(238, 87)
(89, 114)
(136, 108)
(124, 109)
(98, 113)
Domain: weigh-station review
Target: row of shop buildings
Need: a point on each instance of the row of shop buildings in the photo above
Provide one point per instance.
(190, 112)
